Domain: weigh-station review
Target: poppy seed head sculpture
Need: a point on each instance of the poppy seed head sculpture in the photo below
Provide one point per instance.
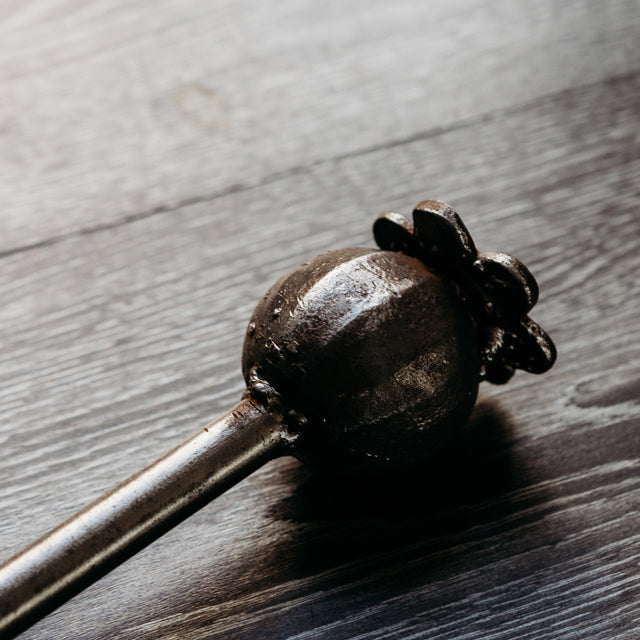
(380, 352)
(360, 360)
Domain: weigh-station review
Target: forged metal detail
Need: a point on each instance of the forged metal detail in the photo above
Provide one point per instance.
(499, 289)
(360, 360)
(377, 352)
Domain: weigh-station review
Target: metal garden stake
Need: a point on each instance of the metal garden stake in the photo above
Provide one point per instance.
(360, 360)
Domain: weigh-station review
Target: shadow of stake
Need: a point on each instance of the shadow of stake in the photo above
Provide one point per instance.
(476, 481)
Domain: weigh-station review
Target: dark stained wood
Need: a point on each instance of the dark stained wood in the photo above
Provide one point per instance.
(123, 109)
(121, 335)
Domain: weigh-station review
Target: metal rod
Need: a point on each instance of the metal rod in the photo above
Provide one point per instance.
(141, 509)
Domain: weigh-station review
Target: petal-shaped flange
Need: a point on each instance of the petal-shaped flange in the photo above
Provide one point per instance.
(393, 232)
(499, 289)
(442, 236)
(536, 352)
(507, 284)
(526, 347)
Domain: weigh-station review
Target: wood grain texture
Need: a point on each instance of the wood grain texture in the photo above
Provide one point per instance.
(120, 336)
(121, 109)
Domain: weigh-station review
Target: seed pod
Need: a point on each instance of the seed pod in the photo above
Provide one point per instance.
(380, 352)
(374, 350)
(359, 360)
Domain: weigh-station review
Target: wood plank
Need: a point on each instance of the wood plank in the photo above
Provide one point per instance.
(116, 344)
(118, 110)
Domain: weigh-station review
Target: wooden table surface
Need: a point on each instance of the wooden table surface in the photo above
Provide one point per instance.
(161, 164)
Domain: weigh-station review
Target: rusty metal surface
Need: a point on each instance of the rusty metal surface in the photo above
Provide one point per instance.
(135, 513)
(498, 289)
(358, 360)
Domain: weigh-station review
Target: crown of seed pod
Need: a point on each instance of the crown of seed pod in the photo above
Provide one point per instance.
(381, 351)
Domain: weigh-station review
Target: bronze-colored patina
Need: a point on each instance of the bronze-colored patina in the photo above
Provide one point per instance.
(360, 360)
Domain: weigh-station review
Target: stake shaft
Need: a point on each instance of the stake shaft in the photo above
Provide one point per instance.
(123, 521)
